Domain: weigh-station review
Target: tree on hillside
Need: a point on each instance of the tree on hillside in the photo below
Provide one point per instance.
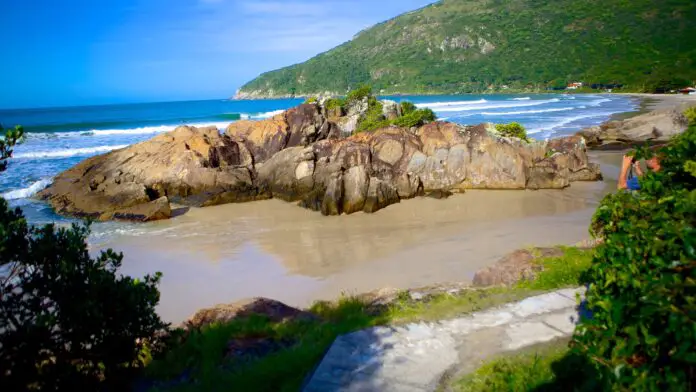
(68, 321)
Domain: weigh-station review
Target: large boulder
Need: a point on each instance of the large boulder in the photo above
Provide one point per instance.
(299, 126)
(274, 311)
(654, 127)
(579, 166)
(190, 166)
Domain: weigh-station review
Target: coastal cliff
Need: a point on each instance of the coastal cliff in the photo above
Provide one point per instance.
(315, 156)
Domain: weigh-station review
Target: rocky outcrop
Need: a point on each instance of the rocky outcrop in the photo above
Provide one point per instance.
(189, 166)
(304, 156)
(275, 311)
(654, 127)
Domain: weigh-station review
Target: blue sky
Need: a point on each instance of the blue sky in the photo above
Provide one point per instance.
(78, 52)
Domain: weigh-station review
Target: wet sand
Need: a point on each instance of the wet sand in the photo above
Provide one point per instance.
(278, 250)
(650, 102)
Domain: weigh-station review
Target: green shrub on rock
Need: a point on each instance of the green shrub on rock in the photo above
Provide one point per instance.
(514, 129)
(642, 293)
(311, 100)
(374, 118)
(407, 107)
(333, 103)
(415, 118)
(359, 93)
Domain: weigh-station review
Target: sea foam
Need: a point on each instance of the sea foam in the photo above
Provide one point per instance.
(433, 105)
(65, 153)
(493, 106)
(530, 111)
(29, 191)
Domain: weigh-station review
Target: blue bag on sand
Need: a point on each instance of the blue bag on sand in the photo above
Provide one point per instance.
(632, 184)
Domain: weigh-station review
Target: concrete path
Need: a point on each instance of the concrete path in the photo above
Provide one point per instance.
(417, 357)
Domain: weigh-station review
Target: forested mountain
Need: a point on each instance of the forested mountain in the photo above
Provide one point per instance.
(470, 46)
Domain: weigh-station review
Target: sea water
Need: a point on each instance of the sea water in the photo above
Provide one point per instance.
(58, 138)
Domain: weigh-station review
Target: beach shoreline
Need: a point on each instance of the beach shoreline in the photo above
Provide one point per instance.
(650, 102)
(273, 249)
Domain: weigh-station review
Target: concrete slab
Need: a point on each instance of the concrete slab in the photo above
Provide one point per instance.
(529, 333)
(414, 357)
(545, 303)
(476, 321)
(564, 321)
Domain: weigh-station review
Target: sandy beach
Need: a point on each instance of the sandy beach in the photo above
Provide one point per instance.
(663, 101)
(275, 249)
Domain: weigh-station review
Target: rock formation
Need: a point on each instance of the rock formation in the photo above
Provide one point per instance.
(303, 155)
(654, 127)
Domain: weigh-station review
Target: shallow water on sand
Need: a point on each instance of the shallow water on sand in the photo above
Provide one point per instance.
(276, 249)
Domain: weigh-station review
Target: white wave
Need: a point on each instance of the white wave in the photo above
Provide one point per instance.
(127, 131)
(267, 114)
(599, 102)
(566, 121)
(433, 105)
(528, 112)
(493, 106)
(70, 152)
(29, 191)
(521, 99)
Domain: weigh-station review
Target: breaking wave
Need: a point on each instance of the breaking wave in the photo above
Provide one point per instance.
(29, 191)
(492, 106)
(530, 111)
(65, 153)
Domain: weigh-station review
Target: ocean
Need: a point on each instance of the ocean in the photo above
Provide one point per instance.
(58, 138)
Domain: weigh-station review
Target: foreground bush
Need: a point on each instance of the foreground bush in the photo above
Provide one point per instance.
(67, 321)
(643, 279)
(690, 115)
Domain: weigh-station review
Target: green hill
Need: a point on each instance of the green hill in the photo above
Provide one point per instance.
(471, 46)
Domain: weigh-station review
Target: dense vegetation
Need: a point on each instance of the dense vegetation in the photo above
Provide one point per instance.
(68, 321)
(374, 117)
(473, 46)
(643, 278)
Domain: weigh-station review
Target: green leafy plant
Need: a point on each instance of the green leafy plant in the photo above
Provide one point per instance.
(415, 118)
(407, 107)
(642, 281)
(359, 93)
(690, 115)
(513, 129)
(333, 103)
(311, 100)
(67, 321)
(10, 139)
(374, 118)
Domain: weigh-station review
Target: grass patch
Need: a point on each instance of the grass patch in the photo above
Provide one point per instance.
(522, 371)
(561, 271)
(547, 367)
(201, 355)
